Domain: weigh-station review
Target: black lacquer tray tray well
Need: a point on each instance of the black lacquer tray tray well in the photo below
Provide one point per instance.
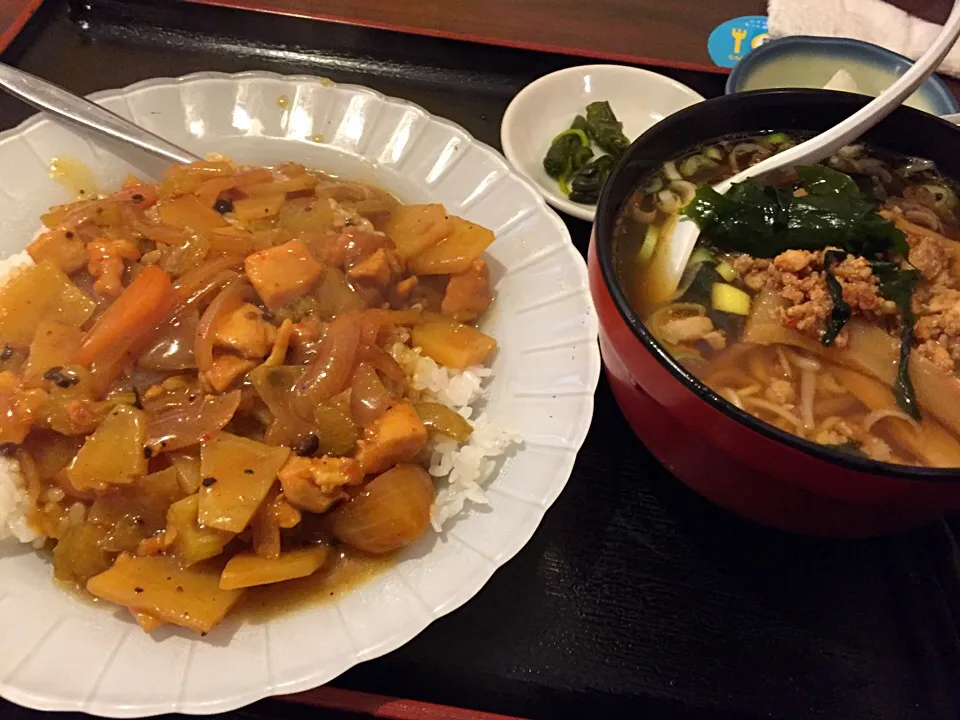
(635, 598)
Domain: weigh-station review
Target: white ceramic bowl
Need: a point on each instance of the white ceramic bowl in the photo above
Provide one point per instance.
(60, 653)
(639, 98)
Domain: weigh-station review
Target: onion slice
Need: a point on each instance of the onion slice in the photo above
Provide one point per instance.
(181, 426)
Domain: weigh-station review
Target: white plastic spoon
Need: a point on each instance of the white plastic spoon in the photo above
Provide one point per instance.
(681, 242)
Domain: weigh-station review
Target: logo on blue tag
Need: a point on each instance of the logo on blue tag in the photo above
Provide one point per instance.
(730, 41)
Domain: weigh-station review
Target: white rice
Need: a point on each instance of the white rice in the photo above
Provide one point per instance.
(460, 470)
(13, 518)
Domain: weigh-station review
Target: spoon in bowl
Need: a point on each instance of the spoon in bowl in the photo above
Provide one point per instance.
(87, 115)
(683, 237)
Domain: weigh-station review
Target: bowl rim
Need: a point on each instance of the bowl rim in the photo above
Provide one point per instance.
(507, 123)
(603, 238)
(936, 86)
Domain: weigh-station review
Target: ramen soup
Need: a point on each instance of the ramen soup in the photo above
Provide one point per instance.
(823, 300)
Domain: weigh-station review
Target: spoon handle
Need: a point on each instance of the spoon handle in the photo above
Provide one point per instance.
(827, 143)
(81, 112)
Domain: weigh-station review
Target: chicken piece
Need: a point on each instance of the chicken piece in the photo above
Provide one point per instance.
(468, 293)
(316, 484)
(396, 436)
(226, 369)
(246, 332)
(19, 408)
(282, 274)
(353, 246)
(379, 268)
(403, 291)
(687, 329)
(780, 392)
(106, 264)
(61, 247)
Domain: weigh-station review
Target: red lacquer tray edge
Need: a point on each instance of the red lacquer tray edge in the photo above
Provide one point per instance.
(276, 7)
(382, 706)
(13, 16)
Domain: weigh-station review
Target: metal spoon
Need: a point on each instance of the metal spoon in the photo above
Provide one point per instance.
(87, 115)
(682, 240)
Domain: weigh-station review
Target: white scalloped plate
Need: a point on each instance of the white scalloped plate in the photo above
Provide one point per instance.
(59, 653)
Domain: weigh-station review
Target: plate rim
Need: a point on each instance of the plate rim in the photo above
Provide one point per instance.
(592, 367)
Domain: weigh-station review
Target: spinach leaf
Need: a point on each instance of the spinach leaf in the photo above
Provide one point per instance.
(605, 129)
(841, 312)
(558, 159)
(822, 180)
(897, 284)
(764, 221)
(587, 182)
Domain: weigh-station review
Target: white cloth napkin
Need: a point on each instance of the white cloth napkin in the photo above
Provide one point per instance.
(872, 21)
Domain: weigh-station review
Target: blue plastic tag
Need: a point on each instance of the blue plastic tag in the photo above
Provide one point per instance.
(730, 41)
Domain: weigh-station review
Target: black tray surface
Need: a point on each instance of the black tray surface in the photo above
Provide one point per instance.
(635, 598)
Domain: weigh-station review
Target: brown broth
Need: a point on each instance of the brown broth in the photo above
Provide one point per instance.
(344, 571)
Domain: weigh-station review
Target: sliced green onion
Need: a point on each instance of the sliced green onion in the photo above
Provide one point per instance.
(690, 166)
(649, 245)
(700, 256)
(779, 138)
(654, 184)
(726, 271)
(714, 153)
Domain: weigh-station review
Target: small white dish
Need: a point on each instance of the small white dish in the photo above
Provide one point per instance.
(639, 98)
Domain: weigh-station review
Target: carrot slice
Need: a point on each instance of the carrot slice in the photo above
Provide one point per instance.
(138, 309)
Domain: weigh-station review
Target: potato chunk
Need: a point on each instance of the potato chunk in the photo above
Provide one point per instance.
(54, 345)
(414, 228)
(282, 274)
(453, 344)
(248, 569)
(396, 436)
(61, 247)
(36, 293)
(190, 542)
(158, 586)
(188, 213)
(465, 243)
(113, 454)
(237, 475)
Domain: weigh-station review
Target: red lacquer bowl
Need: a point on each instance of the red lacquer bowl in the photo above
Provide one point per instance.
(723, 453)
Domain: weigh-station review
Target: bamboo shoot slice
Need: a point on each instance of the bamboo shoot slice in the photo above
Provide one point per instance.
(249, 569)
(158, 586)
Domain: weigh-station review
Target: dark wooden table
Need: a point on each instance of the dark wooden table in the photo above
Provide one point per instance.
(635, 598)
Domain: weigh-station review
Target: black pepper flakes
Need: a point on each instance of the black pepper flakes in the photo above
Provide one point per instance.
(179, 588)
(308, 446)
(223, 205)
(137, 198)
(61, 378)
(68, 234)
(209, 481)
(248, 471)
(147, 452)
(138, 590)
(6, 353)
